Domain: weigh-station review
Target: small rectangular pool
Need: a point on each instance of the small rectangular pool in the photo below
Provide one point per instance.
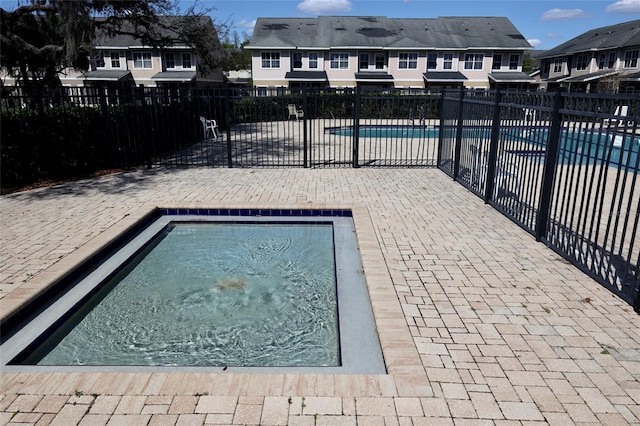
(243, 290)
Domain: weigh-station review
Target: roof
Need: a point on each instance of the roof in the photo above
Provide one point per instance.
(103, 39)
(377, 32)
(617, 36)
(107, 75)
(511, 77)
(444, 76)
(306, 75)
(589, 77)
(374, 76)
(181, 76)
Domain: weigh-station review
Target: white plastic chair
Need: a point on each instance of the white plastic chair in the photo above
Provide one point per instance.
(297, 113)
(621, 111)
(209, 126)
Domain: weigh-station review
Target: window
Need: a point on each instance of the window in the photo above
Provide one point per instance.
(186, 60)
(602, 59)
(631, 59)
(448, 61)
(514, 61)
(408, 61)
(270, 59)
(115, 59)
(142, 60)
(100, 60)
(169, 60)
(297, 60)
(339, 61)
(364, 61)
(612, 60)
(313, 60)
(432, 61)
(557, 65)
(380, 61)
(473, 61)
(581, 63)
(497, 62)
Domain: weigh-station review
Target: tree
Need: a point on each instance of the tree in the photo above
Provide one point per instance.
(40, 38)
(236, 56)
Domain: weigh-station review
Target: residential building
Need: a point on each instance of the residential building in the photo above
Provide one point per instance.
(600, 60)
(122, 60)
(350, 51)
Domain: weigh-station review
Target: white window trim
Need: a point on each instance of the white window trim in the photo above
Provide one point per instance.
(191, 61)
(474, 60)
(142, 58)
(271, 59)
(293, 61)
(409, 59)
(444, 61)
(316, 60)
(339, 56)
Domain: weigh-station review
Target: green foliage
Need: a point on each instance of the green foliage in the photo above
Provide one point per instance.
(65, 141)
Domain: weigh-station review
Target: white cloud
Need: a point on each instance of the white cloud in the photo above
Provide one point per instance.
(625, 6)
(534, 42)
(319, 7)
(247, 25)
(560, 14)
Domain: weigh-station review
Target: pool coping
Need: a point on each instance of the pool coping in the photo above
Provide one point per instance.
(405, 376)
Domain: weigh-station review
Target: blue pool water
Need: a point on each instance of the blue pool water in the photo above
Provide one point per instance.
(217, 294)
(388, 132)
(576, 147)
(590, 148)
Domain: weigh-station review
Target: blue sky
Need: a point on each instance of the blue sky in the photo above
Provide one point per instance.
(544, 23)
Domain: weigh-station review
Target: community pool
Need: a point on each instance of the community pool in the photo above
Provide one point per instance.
(202, 290)
(373, 131)
(576, 146)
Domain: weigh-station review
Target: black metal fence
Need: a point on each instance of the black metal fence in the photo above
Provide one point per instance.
(564, 166)
(83, 129)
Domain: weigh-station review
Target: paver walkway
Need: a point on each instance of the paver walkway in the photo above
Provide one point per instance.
(483, 326)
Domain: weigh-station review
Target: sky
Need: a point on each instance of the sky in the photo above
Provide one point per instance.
(545, 24)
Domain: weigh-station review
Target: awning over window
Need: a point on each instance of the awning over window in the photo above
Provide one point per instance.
(444, 77)
(306, 76)
(511, 77)
(374, 77)
(175, 76)
(585, 78)
(107, 75)
(631, 77)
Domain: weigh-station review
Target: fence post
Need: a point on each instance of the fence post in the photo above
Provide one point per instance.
(227, 123)
(493, 149)
(550, 163)
(458, 147)
(304, 127)
(356, 127)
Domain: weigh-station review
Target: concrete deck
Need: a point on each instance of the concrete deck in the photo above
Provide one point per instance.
(479, 324)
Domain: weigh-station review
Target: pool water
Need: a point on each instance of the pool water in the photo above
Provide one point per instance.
(576, 147)
(407, 132)
(212, 294)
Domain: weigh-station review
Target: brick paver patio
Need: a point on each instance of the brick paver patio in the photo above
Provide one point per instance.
(479, 324)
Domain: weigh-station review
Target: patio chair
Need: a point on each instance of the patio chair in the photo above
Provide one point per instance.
(529, 115)
(297, 113)
(209, 126)
(621, 111)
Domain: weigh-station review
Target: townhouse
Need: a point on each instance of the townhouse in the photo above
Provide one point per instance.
(600, 60)
(420, 53)
(123, 60)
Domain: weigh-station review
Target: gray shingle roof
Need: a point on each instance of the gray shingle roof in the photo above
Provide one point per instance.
(391, 33)
(617, 36)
